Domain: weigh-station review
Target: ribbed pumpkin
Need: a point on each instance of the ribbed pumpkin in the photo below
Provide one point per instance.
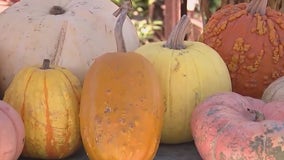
(12, 133)
(275, 91)
(230, 126)
(71, 33)
(249, 37)
(188, 71)
(47, 98)
(121, 112)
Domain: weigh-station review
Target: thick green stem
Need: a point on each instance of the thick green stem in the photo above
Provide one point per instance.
(257, 6)
(176, 38)
(56, 10)
(122, 13)
(258, 116)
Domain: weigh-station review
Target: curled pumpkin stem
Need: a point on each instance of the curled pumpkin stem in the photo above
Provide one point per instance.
(176, 38)
(257, 6)
(122, 13)
(258, 116)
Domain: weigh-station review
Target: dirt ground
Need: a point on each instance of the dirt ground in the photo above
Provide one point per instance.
(166, 152)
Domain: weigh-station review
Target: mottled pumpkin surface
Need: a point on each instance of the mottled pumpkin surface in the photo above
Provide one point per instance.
(122, 110)
(48, 102)
(251, 44)
(224, 129)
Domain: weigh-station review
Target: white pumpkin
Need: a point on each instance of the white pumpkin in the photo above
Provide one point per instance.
(30, 33)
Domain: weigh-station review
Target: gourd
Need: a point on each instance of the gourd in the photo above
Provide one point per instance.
(232, 126)
(12, 133)
(249, 38)
(47, 97)
(71, 33)
(121, 111)
(274, 91)
(189, 72)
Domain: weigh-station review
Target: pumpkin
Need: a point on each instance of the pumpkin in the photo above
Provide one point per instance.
(47, 98)
(232, 126)
(249, 38)
(189, 71)
(121, 111)
(71, 33)
(274, 91)
(12, 133)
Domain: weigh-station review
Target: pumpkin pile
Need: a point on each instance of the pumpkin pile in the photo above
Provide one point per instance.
(97, 88)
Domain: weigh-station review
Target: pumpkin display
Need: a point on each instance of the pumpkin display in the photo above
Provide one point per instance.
(188, 71)
(249, 38)
(71, 33)
(12, 133)
(47, 97)
(121, 111)
(275, 91)
(231, 126)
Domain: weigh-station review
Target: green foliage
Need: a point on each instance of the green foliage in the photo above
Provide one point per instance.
(145, 26)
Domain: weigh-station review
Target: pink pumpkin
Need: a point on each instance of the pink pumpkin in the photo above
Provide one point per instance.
(232, 126)
(12, 133)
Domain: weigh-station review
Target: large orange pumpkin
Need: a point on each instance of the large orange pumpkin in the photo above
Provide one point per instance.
(249, 37)
(47, 97)
(12, 133)
(230, 126)
(122, 109)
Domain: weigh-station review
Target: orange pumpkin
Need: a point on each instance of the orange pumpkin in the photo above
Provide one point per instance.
(249, 37)
(230, 126)
(12, 133)
(121, 111)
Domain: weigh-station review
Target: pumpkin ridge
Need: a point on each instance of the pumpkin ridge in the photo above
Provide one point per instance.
(50, 150)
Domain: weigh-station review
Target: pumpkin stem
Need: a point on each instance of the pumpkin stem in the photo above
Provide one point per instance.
(258, 116)
(122, 13)
(176, 38)
(45, 64)
(56, 10)
(257, 6)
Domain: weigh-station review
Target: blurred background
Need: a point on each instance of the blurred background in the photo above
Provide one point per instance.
(154, 19)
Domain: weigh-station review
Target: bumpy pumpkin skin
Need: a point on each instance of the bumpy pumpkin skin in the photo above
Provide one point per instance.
(187, 76)
(71, 40)
(275, 91)
(12, 133)
(48, 102)
(250, 44)
(121, 111)
(223, 128)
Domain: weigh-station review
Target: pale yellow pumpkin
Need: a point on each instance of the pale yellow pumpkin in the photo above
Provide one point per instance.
(48, 99)
(189, 72)
(71, 33)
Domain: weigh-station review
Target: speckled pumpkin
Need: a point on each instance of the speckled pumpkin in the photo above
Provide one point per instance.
(122, 109)
(249, 37)
(12, 133)
(47, 98)
(230, 126)
(188, 72)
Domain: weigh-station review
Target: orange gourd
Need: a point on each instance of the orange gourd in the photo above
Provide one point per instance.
(121, 111)
(249, 37)
(12, 133)
(230, 126)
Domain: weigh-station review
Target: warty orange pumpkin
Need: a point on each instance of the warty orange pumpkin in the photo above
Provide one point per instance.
(121, 111)
(249, 37)
(47, 97)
